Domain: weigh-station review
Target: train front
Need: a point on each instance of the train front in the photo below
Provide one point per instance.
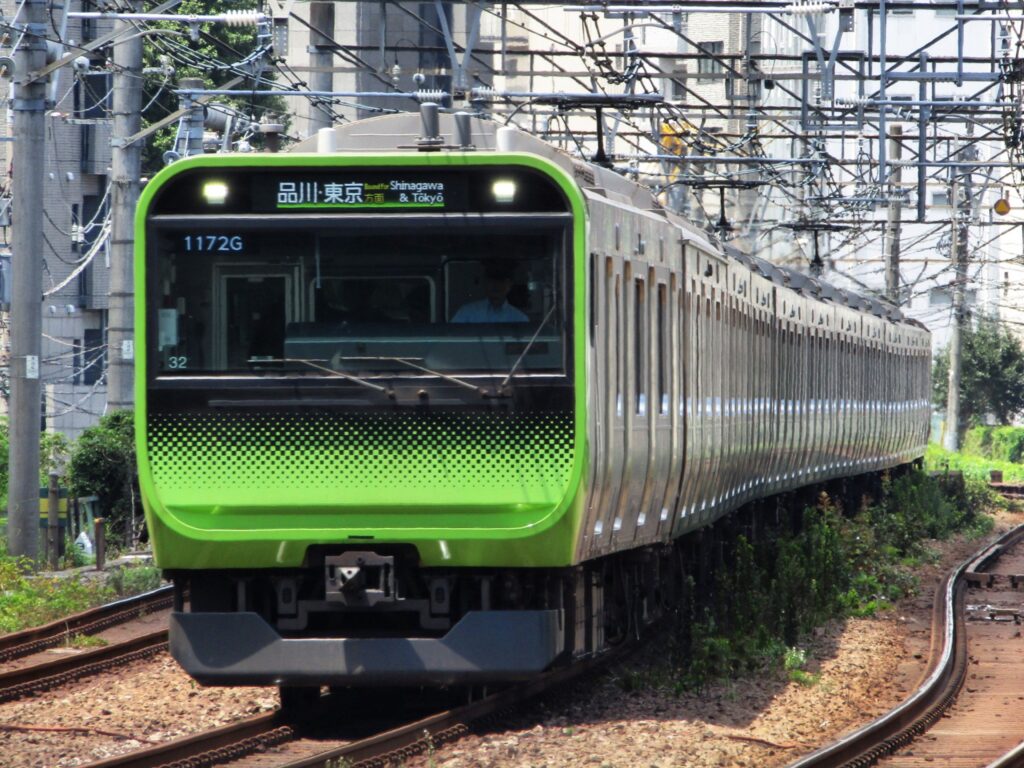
(358, 434)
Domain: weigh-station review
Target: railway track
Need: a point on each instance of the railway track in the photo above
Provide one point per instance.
(947, 722)
(274, 740)
(30, 676)
(36, 639)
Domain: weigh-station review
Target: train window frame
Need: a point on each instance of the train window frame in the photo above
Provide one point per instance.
(162, 229)
(664, 351)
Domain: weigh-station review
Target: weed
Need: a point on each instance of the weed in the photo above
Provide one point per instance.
(793, 659)
(86, 641)
(134, 580)
(805, 679)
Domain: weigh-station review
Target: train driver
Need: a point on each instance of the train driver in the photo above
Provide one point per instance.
(499, 277)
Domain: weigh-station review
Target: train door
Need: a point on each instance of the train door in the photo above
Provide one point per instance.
(597, 398)
(638, 396)
(690, 295)
(256, 307)
(715, 357)
(659, 421)
(611, 372)
(749, 384)
(675, 357)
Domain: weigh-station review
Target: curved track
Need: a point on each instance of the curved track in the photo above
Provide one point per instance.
(905, 736)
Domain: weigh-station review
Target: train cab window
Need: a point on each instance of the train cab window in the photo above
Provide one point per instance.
(362, 301)
(380, 298)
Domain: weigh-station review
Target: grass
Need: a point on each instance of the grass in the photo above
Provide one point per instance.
(86, 641)
(937, 459)
(27, 600)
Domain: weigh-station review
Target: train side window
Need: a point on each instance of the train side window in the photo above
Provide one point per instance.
(664, 356)
(619, 356)
(595, 265)
(640, 347)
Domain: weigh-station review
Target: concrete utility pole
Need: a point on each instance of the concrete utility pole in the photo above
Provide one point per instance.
(960, 200)
(321, 19)
(958, 250)
(892, 227)
(125, 171)
(27, 282)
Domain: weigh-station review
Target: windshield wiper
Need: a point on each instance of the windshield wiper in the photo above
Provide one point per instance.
(316, 365)
(409, 362)
(526, 349)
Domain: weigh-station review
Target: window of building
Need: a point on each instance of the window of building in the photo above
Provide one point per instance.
(676, 84)
(94, 355)
(708, 65)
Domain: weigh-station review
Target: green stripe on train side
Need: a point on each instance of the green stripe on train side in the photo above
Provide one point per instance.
(202, 533)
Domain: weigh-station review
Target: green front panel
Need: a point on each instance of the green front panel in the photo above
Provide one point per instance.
(362, 470)
(229, 489)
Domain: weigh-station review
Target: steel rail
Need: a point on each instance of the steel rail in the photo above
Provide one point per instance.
(52, 674)
(209, 747)
(386, 748)
(926, 705)
(36, 639)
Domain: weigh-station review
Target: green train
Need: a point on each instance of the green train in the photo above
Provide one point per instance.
(435, 415)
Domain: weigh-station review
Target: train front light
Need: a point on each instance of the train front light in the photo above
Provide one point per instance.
(504, 190)
(215, 192)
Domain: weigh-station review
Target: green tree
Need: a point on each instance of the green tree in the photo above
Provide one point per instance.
(103, 464)
(992, 375)
(53, 452)
(170, 54)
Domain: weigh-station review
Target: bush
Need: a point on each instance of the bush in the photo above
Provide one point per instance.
(938, 459)
(53, 450)
(27, 601)
(134, 580)
(103, 465)
(824, 564)
(999, 443)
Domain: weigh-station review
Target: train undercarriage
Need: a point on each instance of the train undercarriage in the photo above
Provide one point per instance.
(370, 618)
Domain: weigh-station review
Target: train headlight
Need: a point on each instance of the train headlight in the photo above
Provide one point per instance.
(215, 192)
(504, 190)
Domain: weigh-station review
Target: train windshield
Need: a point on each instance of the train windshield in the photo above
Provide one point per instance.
(370, 300)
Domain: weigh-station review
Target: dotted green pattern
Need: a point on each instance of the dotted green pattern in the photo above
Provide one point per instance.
(359, 460)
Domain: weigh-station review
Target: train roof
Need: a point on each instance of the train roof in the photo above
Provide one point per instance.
(400, 131)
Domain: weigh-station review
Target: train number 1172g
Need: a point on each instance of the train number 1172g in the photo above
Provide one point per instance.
(214, 243)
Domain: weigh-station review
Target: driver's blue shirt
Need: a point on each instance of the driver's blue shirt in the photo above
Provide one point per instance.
(484, 312)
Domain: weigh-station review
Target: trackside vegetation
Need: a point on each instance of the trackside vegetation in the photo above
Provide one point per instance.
(769, 587)
(973, 466)
(28, 600)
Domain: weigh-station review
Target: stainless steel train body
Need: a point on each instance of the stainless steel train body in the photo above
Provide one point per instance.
(701, 379)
